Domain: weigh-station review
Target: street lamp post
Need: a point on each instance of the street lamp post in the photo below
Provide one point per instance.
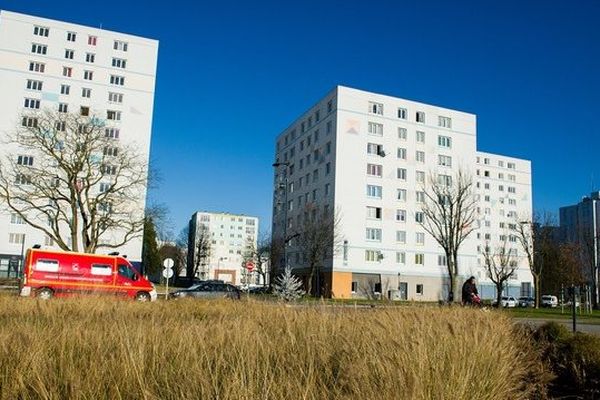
(285, 206)
(595, 238)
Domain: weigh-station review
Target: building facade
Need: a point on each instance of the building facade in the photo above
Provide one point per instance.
(229, 239)
(367, 156)
(59, 66)
(580, 223)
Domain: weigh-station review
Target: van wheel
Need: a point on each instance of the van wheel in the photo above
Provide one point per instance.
(45, 294)
(142, 296)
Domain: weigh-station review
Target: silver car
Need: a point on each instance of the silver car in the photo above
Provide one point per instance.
(208, 290)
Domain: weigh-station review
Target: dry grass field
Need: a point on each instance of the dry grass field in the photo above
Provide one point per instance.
(90, 348)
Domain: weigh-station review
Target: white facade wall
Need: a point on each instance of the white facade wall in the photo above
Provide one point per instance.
(231, 235)
(16, 39)
(397, 265)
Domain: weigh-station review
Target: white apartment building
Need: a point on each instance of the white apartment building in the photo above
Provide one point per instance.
(231, 236)
(367, 156)
(54, 65)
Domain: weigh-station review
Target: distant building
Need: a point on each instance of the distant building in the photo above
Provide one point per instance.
(64, 67)
(580, 223)
(368, 155)
(230, 237)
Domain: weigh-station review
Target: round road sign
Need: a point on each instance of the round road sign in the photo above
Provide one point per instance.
(168, 263)
(167, 273)
(250, 266)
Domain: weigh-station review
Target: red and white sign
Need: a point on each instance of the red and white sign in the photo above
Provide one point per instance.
(250, 266)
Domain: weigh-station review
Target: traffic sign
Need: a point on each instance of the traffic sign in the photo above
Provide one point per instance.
(250, 266)
(168, 263)
(167, 273)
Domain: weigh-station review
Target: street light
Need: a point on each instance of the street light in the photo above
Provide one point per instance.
(285, 206)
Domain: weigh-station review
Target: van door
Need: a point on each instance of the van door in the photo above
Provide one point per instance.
(125, 279)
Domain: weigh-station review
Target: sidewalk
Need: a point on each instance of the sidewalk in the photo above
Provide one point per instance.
(581, 327)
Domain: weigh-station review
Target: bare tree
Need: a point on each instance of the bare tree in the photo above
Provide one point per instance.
(535, 239)
(68, 176)
(260, 254)
(499, 265)
(318, 237)
(449, 212)
(202, 250)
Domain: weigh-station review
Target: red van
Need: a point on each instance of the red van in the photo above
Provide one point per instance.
(49, 273)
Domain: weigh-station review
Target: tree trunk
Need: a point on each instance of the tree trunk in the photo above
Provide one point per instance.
(499, 294)
(536, 282)
(309, 281)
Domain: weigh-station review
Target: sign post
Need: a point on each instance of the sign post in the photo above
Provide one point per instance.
(249, 268)
(167, 273)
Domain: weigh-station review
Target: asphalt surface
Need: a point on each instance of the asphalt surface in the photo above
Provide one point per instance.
(581, 327)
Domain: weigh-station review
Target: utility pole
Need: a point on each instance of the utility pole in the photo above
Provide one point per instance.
(285, 206)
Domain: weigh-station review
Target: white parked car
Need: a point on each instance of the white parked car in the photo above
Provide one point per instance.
(549, 301)
(507, 302)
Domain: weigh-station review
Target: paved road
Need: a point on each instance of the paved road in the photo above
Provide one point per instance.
(535, 322)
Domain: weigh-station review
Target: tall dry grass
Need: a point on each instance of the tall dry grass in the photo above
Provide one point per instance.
(98, 349)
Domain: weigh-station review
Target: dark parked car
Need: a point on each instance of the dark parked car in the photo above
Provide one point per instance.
(208, 290)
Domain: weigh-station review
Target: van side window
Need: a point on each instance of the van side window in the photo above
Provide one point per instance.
(125, 271)
(46, 265)
(101, 269)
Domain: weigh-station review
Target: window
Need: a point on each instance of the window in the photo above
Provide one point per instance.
(444, 141)
(34, 85)
(120, 45)
(327, 168)
(373, 212)
(19, 238)
(92, 40)
(88, 75)
(330, 106)
(60, 126)
(401, 236)
(371, 255)
(85, 92)
(113, 115)
(71, 36)
(512, 178)
(373, 234)
(39, 48)
(420, 156)
(69, 54)
(62, 107)
(420, 238)
(327, 189)
(107, 169)
(328, 128)
(420, 117)
(115, 97)
(400, 215)
(90, 57)
(401, 153)
(445, 180)
(445, 122)
(510, 165)
(41, 31)
(16, 219)
(420, 176)
(375, 108)
(441, 260)
(328, 149)
(374, 170)
(419, 217)
(420, 259)
(104, 187)
(32, 103)
(512, 189)
(402, 133)
(374, 149)
(119, 63)
(401, 173)
(402, 113)
(374, 191)
(444, 161)
(29, 122)
(22, 179)
(37, 67)
(420, 136)
(401, 195)
(375, 129)
(25, 160)
(117, 80)
(67, 71)
(85, 111)
(400, 257)
(110, 151)
(419, 289)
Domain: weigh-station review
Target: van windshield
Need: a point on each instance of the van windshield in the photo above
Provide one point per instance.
(126, 271)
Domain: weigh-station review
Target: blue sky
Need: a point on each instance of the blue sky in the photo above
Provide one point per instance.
(232, 75)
